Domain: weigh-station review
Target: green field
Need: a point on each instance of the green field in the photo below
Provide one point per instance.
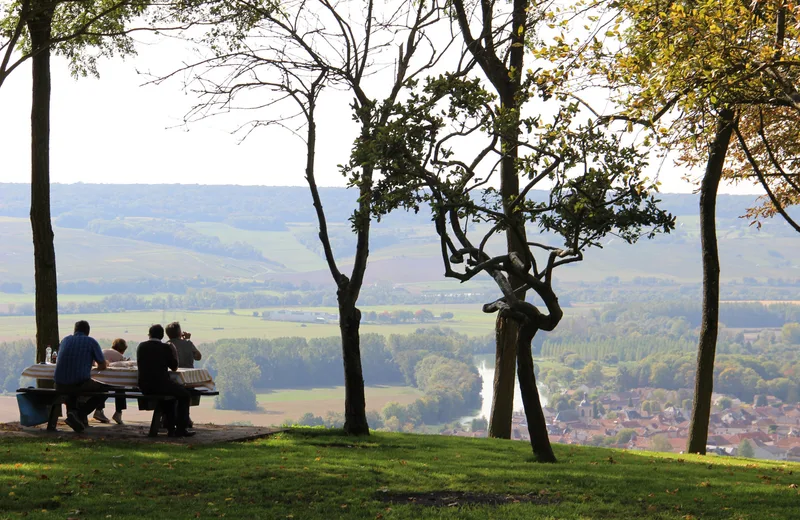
(318, 474)
(6, 298)
(82, 255)
(279, 246)
(211, 325)
(334, 392)
(283, 406)
(207, 326)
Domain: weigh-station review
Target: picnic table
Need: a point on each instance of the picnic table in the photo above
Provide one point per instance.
(44, 404)
(126, 374)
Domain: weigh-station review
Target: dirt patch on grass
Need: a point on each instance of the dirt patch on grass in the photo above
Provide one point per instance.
(460, 498)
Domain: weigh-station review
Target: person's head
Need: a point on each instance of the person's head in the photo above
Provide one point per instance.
(156, 332)
(119, 345)
(174, 330)
(82, 327)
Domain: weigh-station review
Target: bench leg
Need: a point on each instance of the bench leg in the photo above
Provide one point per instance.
(55, 412)
(155, 424)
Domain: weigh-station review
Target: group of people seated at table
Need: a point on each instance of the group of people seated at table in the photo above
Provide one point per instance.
(79, 353)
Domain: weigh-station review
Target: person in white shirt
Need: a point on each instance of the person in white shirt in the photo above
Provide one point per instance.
(115, 353)
(112, 355)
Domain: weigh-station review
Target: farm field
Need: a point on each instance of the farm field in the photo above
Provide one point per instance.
(390, 393)
(112, 257)
(6, 298)
(275, 407)
(207, 326)
(402, 254)
(280, 246)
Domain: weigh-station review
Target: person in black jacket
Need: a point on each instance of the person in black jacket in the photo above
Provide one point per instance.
(155, 360)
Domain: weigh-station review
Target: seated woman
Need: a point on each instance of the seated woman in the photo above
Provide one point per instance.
(113, 355)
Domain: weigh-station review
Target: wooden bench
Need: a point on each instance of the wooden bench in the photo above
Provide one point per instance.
(55, 398)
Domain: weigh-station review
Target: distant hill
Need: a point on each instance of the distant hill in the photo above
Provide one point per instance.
(242, 206)
(122, 232)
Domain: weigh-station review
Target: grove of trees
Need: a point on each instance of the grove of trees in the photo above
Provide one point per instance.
(462, 109)
(437, 361)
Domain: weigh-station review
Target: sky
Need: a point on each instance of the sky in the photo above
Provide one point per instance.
(116, 129)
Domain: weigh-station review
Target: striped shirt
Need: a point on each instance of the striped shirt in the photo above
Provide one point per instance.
(75, 357)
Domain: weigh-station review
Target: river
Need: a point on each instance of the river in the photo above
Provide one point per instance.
(485, 366)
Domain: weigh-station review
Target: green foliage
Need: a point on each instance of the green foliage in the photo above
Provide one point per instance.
(309, 419)
(562, 403)
(791, 333)
(235, 378)
(437, 361)
(653, 348)
(15, 356)
(592, 373)
(293, 362)
(660, 443)
(76, 27)
(745, 449)
(597, 185)
(451, 387)
(479, 424)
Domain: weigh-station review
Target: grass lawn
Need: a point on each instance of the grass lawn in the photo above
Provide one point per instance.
(320, 474)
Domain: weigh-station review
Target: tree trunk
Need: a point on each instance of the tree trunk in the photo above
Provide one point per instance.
(508, 85)
(355, 415)
(537, 425)
(504, 381)
(506, 329)
(355, 404)
(505, 77)
(706, 349)
(41, 225)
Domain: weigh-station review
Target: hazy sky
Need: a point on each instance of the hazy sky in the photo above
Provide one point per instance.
(113, 130)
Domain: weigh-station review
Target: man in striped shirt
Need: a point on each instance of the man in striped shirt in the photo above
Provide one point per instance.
(76, 354)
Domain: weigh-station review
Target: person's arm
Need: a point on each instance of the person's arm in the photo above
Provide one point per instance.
(172, 357)
(102, 364)
(196, 353)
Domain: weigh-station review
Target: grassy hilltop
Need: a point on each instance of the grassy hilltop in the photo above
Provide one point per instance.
(318, 474)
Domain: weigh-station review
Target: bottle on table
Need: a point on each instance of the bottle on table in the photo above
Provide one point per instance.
(48, 354)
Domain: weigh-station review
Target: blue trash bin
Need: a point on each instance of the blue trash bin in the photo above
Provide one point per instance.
(32, 412)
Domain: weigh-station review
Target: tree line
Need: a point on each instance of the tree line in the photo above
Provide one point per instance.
(437, 361)
(767, 364)
(175, 234)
